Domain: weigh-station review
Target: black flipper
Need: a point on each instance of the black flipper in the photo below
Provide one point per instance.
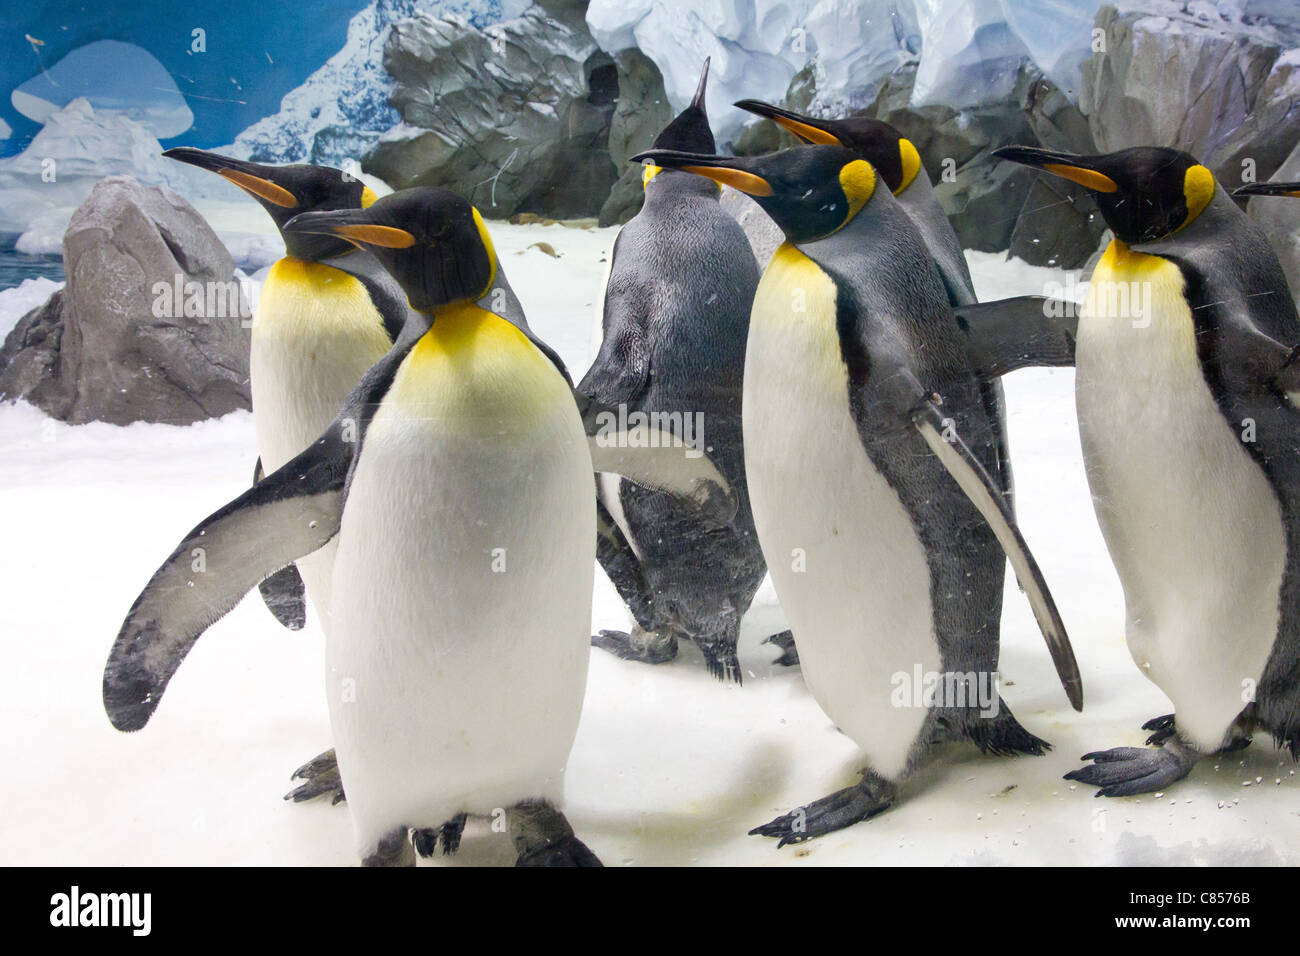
(620, 563)
(288, 514)
(940, 434)
(1016, 333)
(283, 591)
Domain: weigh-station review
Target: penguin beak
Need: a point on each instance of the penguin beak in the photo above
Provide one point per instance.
(252, 178)
(352, 225)
(698, 99)
(1269, 189)
(806, 128)
(1077, 169)
(724, 170)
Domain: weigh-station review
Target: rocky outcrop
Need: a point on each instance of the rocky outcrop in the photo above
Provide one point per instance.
(1219, 88)
(1280, 220)
(516, 116)
(151, 326)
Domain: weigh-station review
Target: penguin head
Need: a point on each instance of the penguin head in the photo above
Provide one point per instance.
(1291, 190)
(432, 241)
(809, 191)
(1145, 193)
(286, 191)
(689, 131)
(889, 152)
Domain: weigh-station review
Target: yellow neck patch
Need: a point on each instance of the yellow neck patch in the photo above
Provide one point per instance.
(486, 238)
(911, 161)
(368, 197)
(649, 172)
(858, 180)
(1198, 190)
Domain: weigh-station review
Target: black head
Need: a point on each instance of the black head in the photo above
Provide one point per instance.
(286, 191)
(809, 191)
(689, 131)
(1145, 193)
(1291, 190)
(432, 241)
(894, 157)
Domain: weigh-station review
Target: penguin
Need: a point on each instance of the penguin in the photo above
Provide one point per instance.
(675, 321)
(317, 330)
(898, 163)
(868, 456)
(1186, 383)
(327, 313)
(458, 481)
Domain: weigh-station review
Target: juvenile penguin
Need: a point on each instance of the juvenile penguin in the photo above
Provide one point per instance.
(458, 480)
(868, 455)
(676, 317)
(1186, 383)
(896, 160)
(326, 314)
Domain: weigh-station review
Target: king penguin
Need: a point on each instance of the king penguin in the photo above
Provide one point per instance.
(676, 316)
(898, 163)
(1186, 380)
(317, 330)
(458, 481)
(327, 313)
(868, 454)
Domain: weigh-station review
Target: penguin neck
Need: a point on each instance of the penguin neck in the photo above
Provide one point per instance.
(920, 203)
(671, 185)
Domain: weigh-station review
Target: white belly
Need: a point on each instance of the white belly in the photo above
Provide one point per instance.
(313, 339)
(1190, 520)
(457, 655)
(860, 607)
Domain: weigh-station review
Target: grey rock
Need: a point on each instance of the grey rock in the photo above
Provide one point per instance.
(642, 109)
(985, 201)
(109, 347)
(1280, 220)
(625, 199)
(1197, 81)
(1059, 224)
(516, 117)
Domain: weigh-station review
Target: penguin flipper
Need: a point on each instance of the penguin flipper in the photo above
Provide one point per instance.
(654, 457)
(940, 434)
(290, 513)
(1009, 334)
(283, 592)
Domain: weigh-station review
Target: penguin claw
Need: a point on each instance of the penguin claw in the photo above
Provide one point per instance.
(722, 663)
(1163, 728)
(841, 809)
(789, 653)
(1125, 771)
(648, 647)
(569, 852)
(426, 839)
(321, 776)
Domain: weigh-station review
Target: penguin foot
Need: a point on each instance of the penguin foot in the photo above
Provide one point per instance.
(1162, 727)
(1125, 771)
(543, 837)
(426, 839)
(1003, 736)
(568, 852)
(722, 661)
(789, 653)
(321, 774)
(393, 849)
(648, 647)
(841, 809)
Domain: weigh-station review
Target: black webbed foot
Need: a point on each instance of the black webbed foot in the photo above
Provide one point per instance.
(789, 653)
(648, 647)
(1125, 771)
(841, 809)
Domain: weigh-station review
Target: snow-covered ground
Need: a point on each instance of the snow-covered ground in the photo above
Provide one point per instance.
(669, 767)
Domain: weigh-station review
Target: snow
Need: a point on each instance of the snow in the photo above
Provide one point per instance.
(670, 767)
(17, 301)
(115, 77)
